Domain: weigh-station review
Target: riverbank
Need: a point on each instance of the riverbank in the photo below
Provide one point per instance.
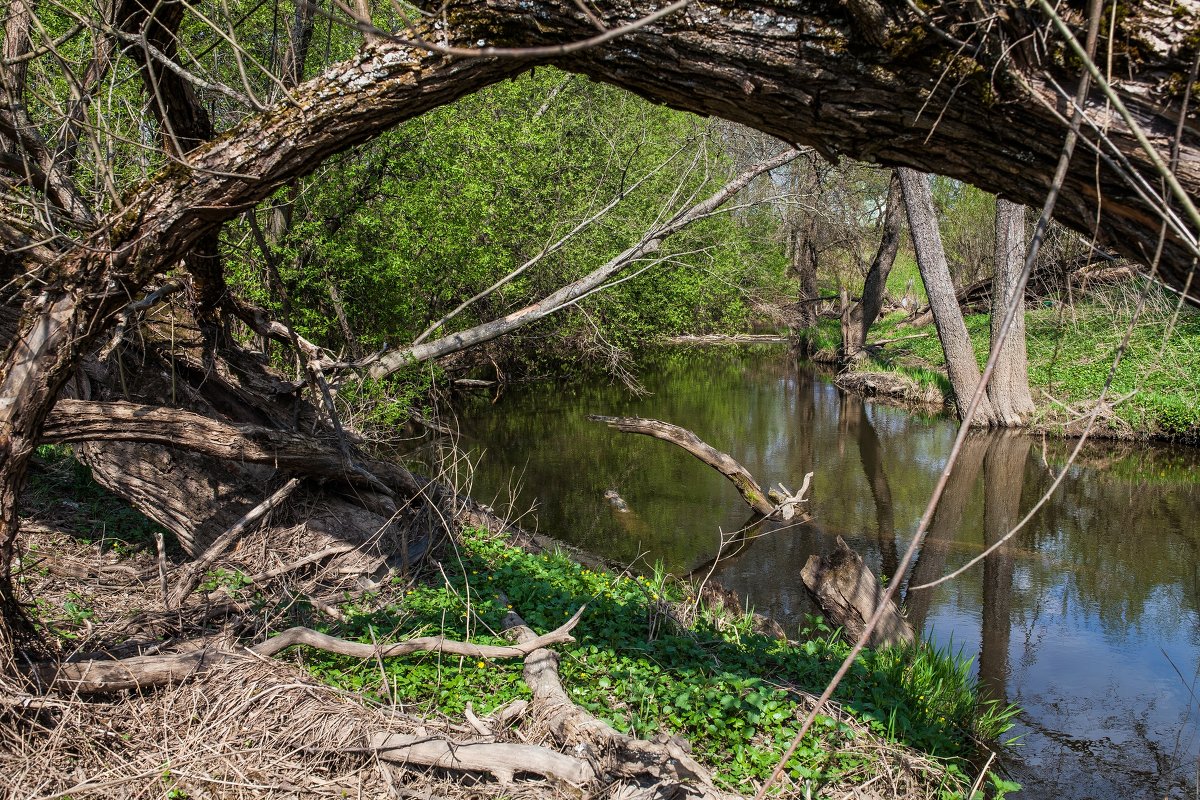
(1154, 393)
(653, 657)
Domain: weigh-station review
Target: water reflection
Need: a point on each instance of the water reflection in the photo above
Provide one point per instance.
(1087, 618)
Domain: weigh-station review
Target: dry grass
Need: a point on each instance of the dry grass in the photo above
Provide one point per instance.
(252, 727)
(248, 728)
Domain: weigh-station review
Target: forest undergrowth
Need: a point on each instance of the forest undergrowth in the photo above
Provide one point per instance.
(652, 656)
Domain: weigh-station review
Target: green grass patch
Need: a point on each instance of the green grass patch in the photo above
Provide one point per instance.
(729, 690)
(905, 274)
(1156, 388)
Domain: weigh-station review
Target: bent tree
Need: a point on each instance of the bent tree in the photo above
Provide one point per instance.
(947, 88)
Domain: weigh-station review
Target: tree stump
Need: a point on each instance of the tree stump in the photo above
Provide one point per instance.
(849, 593)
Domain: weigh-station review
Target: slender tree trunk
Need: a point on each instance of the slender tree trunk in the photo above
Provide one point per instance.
(961, 365)
(804, 266)
(1009, 387)
(863, 315)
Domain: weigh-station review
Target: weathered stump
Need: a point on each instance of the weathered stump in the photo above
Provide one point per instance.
(849, 594)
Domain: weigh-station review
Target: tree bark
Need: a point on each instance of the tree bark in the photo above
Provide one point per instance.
(961, 365)
(1008, 388)
(849, 594)
(864, 313)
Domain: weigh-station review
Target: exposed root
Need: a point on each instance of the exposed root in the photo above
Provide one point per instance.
(143, 672)
(892, 386)
(666, 763)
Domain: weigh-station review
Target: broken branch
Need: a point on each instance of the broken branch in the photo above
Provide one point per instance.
(723, 463)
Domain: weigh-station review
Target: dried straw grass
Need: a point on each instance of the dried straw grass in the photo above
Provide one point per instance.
(252, 727)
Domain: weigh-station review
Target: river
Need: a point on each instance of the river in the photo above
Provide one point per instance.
(1088, 618)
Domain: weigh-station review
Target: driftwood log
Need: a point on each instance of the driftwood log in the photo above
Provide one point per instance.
(723, 463)
(842, 584)
(849, 594)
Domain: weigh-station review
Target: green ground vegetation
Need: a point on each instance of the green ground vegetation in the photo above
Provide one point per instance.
(1072, 347)
(732, 692)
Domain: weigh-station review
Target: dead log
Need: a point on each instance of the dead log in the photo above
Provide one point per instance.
(97, 676)
(849, 594)
(502, 760)
(723, 463)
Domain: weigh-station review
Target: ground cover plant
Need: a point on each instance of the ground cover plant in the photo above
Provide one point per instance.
(651, 660)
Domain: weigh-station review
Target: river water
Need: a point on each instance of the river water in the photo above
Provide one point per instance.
(1088, 618)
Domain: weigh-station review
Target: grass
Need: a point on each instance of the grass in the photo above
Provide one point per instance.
(62, 490)
(1155, 390)
(734, 693)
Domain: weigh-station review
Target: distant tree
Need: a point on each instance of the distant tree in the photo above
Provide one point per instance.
(858, 318)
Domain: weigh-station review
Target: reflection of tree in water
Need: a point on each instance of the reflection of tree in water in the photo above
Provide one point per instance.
(1116, 541)
(854, 421)
(1004, 478)
(945, 527)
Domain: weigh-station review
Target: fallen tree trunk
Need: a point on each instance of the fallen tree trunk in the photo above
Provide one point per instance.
(849, 594)
(723, 463)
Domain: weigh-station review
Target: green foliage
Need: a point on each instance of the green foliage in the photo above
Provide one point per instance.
(728, 689)
(966, 218)
(903, 275)
(444, 206)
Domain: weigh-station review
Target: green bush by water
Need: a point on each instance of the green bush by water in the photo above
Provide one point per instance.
(727, 689)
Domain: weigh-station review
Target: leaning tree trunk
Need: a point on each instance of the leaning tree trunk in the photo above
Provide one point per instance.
(961, 365)
(863, 314)
(1008, 388)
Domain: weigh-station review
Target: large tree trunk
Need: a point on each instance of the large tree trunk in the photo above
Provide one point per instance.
(961, 365)
(1008, 388)
(863, 314)
(867, 80)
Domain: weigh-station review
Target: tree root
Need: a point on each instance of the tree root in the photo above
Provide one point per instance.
(667, 764)
(503, 761)
(143, 672)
